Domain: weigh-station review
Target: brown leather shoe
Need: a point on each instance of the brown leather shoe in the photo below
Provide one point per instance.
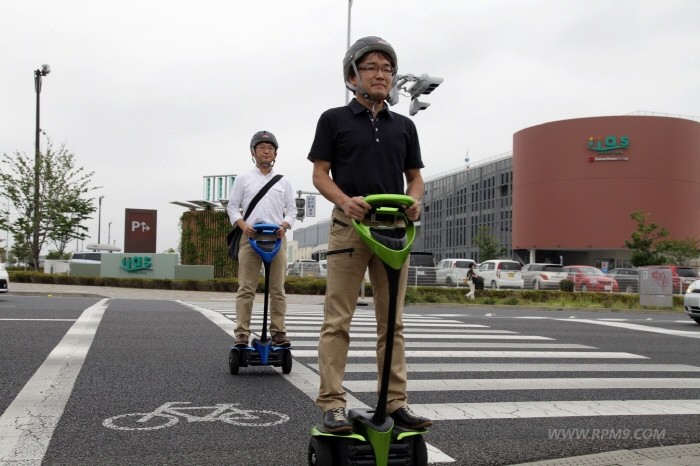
(241, 340)
(335, 420)
(405, 417)
(280, 339)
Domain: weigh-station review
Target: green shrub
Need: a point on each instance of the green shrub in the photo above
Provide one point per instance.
(566, 285)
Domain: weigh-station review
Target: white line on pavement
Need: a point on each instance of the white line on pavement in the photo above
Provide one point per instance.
(541, 409)
(442, 385)
(644, 328)
(504, 367)
(491, 354)
(41, 320)
(28, 423)
(442, 345)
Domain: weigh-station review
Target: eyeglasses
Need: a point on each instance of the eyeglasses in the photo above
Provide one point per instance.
(265, 147)
(372, 69)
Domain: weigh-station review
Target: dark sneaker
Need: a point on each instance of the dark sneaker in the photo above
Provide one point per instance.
(280, 339)
(405, 417)
(335, 420)
(241, 340)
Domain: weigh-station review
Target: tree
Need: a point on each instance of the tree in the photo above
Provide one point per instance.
(679, 251)
(643, 242)
(489, 247)
(62, 209)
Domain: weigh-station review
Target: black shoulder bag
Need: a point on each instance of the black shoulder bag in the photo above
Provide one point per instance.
(233, 239)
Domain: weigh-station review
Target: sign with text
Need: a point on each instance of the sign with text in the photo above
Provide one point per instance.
(310, 206)
(140, 227)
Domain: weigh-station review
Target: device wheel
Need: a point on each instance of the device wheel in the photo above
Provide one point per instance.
(320, 453)
(286, 362)
(420, 451)
(234, 361)
(696, 319)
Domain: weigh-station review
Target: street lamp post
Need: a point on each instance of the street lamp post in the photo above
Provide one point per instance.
(347, 91)
(99, 219)
(38, 74)
(109, 233)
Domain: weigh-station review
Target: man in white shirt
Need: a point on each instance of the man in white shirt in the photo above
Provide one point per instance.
(276, 207)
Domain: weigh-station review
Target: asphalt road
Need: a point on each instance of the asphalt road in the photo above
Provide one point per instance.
(503, 386)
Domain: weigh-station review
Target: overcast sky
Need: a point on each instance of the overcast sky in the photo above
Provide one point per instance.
(154, 95)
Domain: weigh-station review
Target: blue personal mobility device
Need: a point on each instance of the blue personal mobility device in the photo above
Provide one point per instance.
(374, 439)
(261, 352)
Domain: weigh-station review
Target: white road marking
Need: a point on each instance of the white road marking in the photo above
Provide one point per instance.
(643, 328)
(28, 423)
(491, 354)
(442, 345)
(523, 367)
(426, 336)
(41, 320)
(542, 409)
(576, 383)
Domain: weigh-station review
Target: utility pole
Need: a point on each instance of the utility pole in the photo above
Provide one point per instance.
(38, 74)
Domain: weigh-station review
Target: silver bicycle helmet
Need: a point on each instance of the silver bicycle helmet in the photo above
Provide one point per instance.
(263, 136)
(359, 49)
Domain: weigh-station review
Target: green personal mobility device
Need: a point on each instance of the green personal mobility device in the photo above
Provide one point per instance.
(374, 439)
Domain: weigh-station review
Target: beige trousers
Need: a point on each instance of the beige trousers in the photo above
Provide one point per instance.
(348, 258)
(249, 266)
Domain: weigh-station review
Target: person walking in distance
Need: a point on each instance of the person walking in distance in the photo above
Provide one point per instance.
(471, 273)
(276, 207)
(358, 150)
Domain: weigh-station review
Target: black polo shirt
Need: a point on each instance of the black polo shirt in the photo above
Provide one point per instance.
(367, 156)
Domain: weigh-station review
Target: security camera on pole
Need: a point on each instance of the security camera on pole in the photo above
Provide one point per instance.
(422, 85)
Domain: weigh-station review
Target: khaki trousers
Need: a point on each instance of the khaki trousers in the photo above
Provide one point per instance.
(249, 266)
(348, 258)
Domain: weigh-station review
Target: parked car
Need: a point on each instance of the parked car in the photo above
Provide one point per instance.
(305, 268)
(627, 279)
(543, 276)
(682, 276)
(88, 257)
(4, 280)
(452, 272)
(323, 264)
(499, 273)
(691, 301)
(421, 269)
(587, 278)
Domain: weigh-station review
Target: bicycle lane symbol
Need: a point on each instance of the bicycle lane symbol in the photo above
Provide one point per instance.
(169, 414)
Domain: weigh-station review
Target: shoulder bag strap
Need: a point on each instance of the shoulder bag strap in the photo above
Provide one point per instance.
(260, 194)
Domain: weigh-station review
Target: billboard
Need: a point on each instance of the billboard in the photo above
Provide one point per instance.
(140, 227)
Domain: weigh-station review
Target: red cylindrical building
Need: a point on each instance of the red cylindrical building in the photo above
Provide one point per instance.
(576, 182)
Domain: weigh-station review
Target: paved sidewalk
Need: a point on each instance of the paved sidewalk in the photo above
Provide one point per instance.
(678, 455)
(40, 289)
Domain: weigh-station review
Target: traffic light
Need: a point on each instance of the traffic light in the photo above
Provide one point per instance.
(301, 204)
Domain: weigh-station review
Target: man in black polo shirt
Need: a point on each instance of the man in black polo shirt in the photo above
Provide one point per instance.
(358, 150)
